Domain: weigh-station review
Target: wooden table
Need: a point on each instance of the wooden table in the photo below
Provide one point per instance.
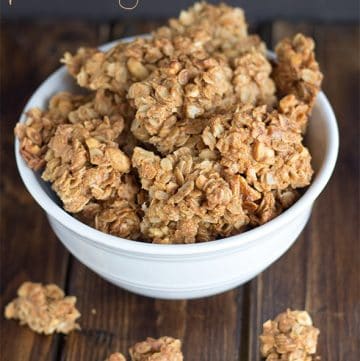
(319, 273)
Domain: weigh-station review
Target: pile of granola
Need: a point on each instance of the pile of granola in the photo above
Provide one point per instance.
(162, 349)
(45, 309)
(186, 136)
(291, 336)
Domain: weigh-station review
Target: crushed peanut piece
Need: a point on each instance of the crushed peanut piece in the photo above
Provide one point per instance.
(44, 309)
(117, 356)
(162, 349)
(290, 337)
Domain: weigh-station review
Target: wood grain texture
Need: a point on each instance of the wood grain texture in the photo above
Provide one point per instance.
(29, 249)
(122, 319)
(319, 273)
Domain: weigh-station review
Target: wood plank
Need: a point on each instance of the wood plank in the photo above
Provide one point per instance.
(29, 249)
(318, 272)
(210, 328)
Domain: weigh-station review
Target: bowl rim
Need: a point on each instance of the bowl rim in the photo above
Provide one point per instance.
(102, 239)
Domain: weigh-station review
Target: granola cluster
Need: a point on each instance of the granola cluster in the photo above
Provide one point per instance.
(162, 349)
(189, 198)
(45, 309)
(217, 29)
(291, 336)
(189, 135)
(297, 71)
(40, 125)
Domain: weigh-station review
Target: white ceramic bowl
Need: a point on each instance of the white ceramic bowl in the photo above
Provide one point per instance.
(192, 270)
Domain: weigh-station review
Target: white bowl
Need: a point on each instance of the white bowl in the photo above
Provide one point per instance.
(191, 270)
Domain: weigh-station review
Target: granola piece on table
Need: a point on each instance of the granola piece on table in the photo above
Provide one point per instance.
(189, 199)
(291, 336)
(40, 125)
(45, 309)
(297, 72)
(162, 349)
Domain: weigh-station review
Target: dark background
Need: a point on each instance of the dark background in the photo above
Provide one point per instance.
(256, 10)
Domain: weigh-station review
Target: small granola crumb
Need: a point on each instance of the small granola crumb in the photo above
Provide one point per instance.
(291, 336)
(45, 309)
(162, 349)
(117, 356)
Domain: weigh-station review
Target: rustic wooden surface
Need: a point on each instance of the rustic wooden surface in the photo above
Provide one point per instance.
(319, 273)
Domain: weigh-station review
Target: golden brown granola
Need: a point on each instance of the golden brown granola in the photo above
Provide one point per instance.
(125, 63)
(262, 146)
(189, 199)
(39, 126)
(117, 356)
(297, 72)
(84, 163)
(182, 138)
(252, 82)
(291, 336)
(45, 309)
(162, 349)
(120, 215)
(115, 69)
(215, 28)
(170, 102)
(203, 28)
